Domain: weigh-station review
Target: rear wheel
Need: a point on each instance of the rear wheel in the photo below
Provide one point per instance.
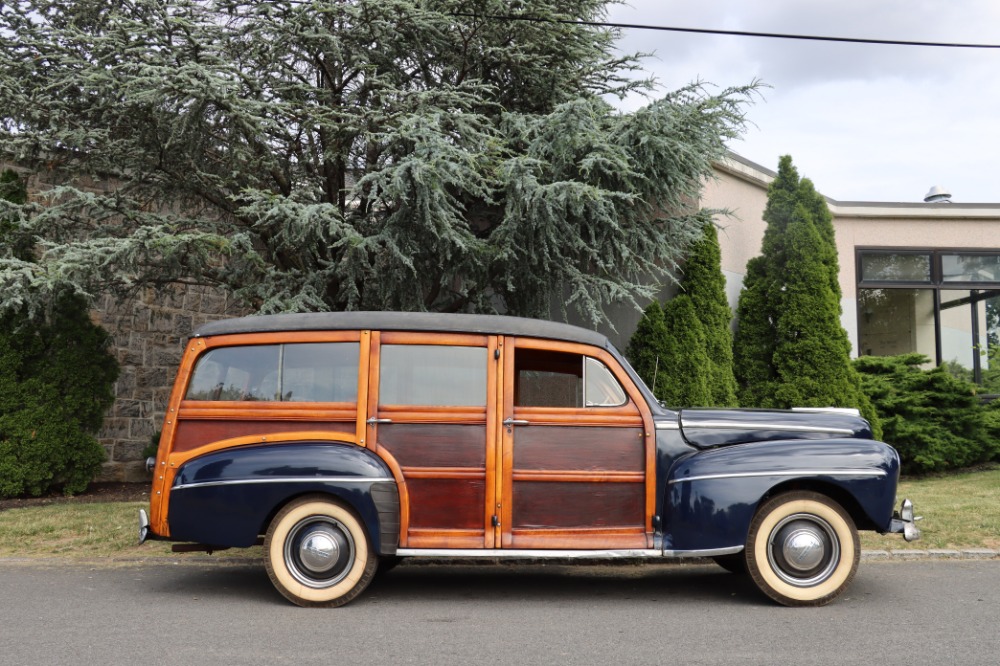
(317, 553)
(802, 549)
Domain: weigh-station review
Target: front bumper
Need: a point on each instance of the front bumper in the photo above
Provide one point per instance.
(903, 521)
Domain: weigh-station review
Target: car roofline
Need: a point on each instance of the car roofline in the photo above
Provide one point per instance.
(404, 321)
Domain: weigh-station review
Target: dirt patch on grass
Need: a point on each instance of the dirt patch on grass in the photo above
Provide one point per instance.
(96, 492)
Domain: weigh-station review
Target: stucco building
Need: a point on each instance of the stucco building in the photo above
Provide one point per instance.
(915, 277)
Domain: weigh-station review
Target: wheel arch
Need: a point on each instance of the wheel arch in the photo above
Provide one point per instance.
(230, 497)
(835, 492)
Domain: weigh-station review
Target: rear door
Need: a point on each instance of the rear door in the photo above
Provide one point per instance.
(432, 412)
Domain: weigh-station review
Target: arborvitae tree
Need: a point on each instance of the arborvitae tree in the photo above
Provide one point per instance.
(689, 339)
(686, 376)
(934, 420)
(358, 154)
(648, 347)
(704, 282)
(56, 380)
(790, 348)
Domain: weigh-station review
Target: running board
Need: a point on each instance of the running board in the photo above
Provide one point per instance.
(508, 553)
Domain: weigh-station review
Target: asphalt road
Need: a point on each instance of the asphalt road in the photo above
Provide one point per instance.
(931, 612)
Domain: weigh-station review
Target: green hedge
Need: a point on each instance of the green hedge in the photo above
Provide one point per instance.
(56, 382)
(935, 420)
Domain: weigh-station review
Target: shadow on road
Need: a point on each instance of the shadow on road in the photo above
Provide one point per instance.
(527, 583)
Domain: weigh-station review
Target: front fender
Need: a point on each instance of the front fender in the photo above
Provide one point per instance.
(227, 498)
(711, 496)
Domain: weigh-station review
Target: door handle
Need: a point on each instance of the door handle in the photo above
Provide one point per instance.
(513, 422)
(373, 421)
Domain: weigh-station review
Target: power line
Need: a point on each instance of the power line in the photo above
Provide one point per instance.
(735, 33)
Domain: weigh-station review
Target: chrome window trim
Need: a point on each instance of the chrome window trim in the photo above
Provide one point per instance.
(732, 425)
(285, 479)
(788, 472)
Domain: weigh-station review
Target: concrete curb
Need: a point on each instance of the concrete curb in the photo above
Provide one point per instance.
(931, 554)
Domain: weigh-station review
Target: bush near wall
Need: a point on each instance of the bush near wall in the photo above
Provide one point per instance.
(933, 419)
(56, 382)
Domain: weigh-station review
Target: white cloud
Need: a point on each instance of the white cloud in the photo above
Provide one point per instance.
(864, 122)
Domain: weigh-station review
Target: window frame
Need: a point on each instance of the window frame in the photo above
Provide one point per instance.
(937, 285)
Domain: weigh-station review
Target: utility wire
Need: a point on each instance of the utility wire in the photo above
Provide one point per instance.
(736, 33)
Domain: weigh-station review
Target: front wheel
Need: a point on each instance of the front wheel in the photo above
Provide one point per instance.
(316, 553)
(802, 549)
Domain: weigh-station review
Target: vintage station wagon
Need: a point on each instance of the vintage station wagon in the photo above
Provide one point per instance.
(345, 441)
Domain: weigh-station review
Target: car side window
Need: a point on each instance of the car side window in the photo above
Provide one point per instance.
(433, 375)
(307, 372)
(546, 378)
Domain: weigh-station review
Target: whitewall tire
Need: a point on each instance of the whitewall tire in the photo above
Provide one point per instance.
(802, 549)
(317, 553)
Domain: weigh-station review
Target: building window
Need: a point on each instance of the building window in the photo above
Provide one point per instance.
(944, 304)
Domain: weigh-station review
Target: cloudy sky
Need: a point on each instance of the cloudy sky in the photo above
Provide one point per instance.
(864, 122)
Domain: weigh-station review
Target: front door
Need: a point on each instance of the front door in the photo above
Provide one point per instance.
(576, 450)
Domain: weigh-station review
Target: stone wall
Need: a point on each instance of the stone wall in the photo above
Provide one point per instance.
(149, 333)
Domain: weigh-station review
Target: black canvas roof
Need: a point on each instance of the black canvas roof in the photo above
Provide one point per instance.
(404, 321)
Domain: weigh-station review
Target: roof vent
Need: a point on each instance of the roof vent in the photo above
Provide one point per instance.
(937, 195)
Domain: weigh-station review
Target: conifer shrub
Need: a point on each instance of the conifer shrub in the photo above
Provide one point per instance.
(933, 419)
(648, 346)
(56, 381)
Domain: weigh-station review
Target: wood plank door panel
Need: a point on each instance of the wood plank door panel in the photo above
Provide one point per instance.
(433, 411)
(574, 474)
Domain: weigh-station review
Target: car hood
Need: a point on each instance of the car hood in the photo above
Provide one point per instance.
(707, 428)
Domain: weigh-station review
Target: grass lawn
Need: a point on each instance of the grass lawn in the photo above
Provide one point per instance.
(83, 531)
(960, 511)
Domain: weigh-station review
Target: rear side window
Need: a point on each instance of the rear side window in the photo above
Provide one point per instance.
(429, 375)
(307, 372)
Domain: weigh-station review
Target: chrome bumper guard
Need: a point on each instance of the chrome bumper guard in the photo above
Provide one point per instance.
(143, 526)
(904, 521)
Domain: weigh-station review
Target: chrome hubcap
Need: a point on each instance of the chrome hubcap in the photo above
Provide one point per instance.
(803, 550)
(319, 551)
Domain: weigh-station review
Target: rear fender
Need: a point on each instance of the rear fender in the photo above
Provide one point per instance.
(227, 498)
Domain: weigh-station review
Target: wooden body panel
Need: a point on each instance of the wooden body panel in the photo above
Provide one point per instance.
(540, 447)
(444, 453)
(489, 476)
(194, 433)
(575, 477)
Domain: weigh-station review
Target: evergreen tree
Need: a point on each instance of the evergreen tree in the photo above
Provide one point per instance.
(648, 347)
(790, 348)
(357, 154)
(704, 282)
(686, 365)
(689, 339)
